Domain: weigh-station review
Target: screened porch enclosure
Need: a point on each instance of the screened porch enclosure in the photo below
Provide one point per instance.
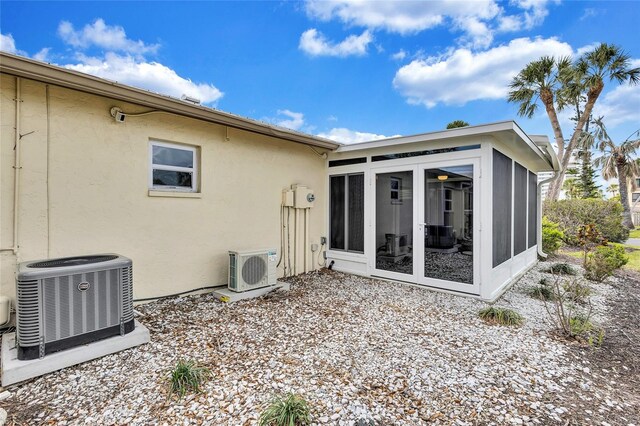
(458, 214)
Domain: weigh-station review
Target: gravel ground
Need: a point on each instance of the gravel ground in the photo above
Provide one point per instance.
(354, 347)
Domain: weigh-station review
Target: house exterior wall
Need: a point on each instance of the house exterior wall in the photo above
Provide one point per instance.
(84, 188)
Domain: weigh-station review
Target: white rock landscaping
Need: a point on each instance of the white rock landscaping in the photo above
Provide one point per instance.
(355, 348)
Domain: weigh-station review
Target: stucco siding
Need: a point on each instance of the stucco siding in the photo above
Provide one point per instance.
(98, 193)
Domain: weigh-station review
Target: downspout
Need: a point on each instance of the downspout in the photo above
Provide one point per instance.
(539, 230)
(553, 162)
(16, 170)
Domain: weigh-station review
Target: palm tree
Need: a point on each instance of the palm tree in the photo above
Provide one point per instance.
(613, 189)
(606, 61)
(457, 123)
(558, 83)
(617, 161)
(541, 80)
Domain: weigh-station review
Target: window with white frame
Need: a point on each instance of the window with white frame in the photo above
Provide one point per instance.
(395, 190)
(346, 212)
(173, 167)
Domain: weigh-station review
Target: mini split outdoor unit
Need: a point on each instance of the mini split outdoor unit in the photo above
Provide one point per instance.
(72, 301)
(249, 270)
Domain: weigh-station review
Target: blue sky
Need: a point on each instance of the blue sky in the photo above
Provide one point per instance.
(350, 71)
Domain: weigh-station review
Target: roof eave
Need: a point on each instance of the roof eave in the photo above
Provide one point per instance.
(51, 74)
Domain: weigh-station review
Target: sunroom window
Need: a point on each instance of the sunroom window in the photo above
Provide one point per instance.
(173, 167)
(346, 204)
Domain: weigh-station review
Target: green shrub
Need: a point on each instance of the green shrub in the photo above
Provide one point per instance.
(571, 214)
(187, 376)
(570, 320)
(561, 269)
(287, 410)
(582, 327)
(576, 291)
(603, 261)
(501, 316)
(551, 236)
(542, 292)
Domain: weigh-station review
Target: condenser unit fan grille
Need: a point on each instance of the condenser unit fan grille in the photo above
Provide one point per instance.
(254, 270)
(72, 261)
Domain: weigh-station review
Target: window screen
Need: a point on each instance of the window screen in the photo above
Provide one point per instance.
(347, 212)
(337, 213)
(519, 209)
(356, 212)
(533, 209)
(502, 177)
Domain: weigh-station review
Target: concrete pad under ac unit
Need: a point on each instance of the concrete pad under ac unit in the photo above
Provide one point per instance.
(223, 294)
(15, 370)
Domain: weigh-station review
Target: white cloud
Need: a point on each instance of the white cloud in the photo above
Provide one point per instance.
(477, 32)
(588, 13)
(124, 61)
(620, 105)
(7, 43)
(477, 20)
(148, 75)
(399, 55)
(534, 12)
(407, 17)
(314, 43)
(509, 24)
(294, 121)
(42, 55)
(461, 75)
(586, 48)
(342, 135)
(112, 38)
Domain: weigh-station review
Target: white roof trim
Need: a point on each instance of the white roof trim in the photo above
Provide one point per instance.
(459, 132)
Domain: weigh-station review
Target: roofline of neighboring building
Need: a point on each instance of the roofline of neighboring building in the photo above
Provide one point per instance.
(52, 74)
(542, 149)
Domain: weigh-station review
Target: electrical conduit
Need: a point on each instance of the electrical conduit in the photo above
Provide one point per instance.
(16, 170)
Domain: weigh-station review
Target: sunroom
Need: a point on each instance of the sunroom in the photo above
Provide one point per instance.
(456, 210)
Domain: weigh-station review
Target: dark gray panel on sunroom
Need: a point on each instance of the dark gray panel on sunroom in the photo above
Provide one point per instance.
(337, 212)
(356, 212)
(502, 176)
(519, 209)
(533, 209)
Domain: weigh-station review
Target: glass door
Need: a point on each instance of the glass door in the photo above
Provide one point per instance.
(394, 223)
(447, 226)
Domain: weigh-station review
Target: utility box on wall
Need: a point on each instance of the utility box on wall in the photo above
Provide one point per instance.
(303, 197)
(287, 198)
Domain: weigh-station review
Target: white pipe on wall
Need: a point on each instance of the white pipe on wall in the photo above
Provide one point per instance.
(295, 240)
(306, 239)
(16, 170)
(288, 269)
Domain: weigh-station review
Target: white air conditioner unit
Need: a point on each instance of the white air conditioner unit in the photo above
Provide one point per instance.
(249, 270)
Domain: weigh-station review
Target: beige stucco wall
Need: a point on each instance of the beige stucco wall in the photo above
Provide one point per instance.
(84, 189)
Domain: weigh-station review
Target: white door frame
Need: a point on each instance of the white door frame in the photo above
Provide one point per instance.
(372, 269)
(417, 276)
(418, 248)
